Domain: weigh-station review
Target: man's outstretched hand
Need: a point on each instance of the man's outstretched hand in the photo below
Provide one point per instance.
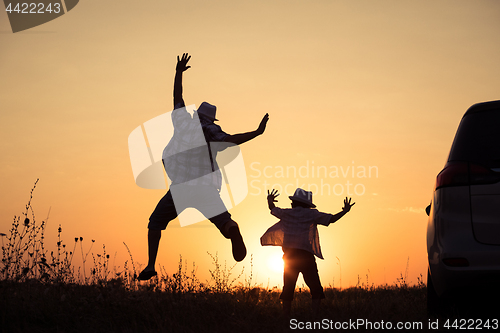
(181, 63)
(347, 205)
(263, 123)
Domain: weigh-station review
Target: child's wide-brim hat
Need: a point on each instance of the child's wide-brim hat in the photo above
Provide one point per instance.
(303, 196)
(208, 110)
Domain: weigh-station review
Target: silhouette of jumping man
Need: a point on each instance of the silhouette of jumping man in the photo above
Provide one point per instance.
(190, 162)
(297, 234)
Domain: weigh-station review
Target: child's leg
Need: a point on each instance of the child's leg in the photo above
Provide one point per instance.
(316, 304)
(311, 278)
(287, 307)
(290, 276)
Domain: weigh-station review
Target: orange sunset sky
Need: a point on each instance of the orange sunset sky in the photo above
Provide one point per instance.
(373, 85)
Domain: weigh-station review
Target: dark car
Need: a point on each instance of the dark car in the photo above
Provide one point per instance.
(463, 232)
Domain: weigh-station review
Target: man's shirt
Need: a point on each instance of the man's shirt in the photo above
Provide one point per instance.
(187, 158)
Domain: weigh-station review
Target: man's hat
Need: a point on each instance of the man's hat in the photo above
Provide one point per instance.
(207, 110)
(303, 196)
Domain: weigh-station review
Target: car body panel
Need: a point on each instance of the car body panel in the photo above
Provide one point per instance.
(463, 231)
(485, 215)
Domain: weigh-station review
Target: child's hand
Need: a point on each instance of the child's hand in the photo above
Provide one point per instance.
(347, 205)
(271, 197)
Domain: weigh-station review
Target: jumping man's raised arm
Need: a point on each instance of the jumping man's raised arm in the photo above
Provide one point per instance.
(181, 67)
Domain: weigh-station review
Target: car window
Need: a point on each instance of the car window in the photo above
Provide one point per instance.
(478, 139)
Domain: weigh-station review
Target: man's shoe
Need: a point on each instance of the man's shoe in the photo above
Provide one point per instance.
(239, 249)
(146, 275)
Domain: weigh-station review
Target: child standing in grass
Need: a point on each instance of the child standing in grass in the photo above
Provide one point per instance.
(297, 234)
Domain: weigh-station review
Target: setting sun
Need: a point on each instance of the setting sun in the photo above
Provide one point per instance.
(275, 263)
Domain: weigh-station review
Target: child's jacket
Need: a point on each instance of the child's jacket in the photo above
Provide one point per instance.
(296, 229)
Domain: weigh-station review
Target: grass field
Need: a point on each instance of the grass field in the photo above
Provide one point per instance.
(33, 306)
(42, 291)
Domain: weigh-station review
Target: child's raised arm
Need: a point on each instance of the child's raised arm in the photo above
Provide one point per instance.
(271, 198)
(345, 209)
